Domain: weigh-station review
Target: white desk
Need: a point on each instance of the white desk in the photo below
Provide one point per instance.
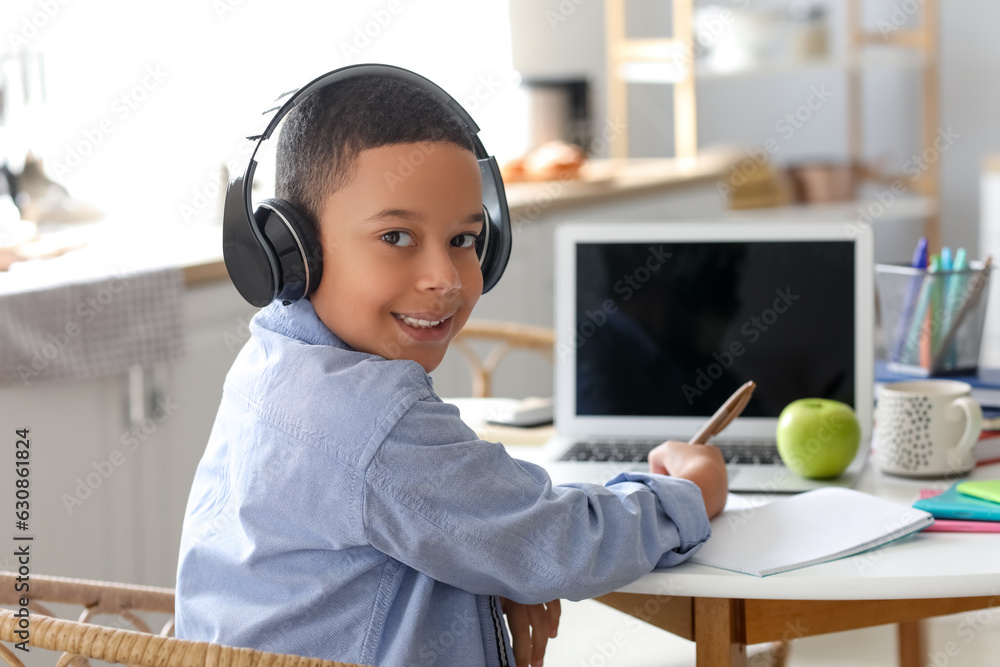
(918, 577)
(924, 565)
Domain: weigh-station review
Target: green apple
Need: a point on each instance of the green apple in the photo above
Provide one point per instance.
(818, 437)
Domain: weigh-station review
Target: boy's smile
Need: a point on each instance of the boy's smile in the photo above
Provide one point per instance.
(400, 271)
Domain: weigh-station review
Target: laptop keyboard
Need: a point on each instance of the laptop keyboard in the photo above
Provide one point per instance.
(753, 452)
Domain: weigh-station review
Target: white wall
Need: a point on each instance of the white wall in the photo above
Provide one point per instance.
(156, 95)
(970, 104)
(221, 57)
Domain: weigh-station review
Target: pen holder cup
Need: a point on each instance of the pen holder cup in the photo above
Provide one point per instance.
(932, 321)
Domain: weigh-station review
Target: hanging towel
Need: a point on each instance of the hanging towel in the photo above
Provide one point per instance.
(93, 328)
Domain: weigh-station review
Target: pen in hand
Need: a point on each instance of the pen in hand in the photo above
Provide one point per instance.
(703, 465)
(729, 411)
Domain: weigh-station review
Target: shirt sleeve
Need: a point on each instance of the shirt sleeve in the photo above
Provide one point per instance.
(465, 513)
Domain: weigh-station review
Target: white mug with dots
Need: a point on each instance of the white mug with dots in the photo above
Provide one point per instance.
(927, 428)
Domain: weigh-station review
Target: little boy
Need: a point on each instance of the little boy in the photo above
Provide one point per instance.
(341, 510)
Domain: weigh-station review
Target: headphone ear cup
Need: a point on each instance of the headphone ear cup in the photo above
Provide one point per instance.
(494, 243)
(249, 258)
(483, 241)
(295, 241)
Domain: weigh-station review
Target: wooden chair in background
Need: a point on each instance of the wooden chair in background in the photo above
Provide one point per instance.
(81, 640)
(508, 336)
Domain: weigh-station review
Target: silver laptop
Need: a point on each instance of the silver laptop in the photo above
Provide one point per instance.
(658, 323)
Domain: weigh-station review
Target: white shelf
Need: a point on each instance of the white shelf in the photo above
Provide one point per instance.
(668, 71)
(907, 207)
(872, 58)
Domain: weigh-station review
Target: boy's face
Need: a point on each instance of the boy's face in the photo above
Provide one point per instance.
(400, 271)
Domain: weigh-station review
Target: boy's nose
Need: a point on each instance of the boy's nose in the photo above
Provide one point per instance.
(439, 273)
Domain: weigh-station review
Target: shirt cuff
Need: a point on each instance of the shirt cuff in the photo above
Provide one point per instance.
(683, 504)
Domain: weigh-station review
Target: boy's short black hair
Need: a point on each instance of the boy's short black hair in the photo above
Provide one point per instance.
(322, 136)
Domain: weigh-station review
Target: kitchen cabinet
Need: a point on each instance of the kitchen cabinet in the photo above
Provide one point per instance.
(109, 483)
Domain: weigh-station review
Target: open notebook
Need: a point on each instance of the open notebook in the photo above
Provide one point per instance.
(806, 529)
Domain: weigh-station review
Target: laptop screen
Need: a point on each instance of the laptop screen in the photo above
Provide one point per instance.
(672, 329)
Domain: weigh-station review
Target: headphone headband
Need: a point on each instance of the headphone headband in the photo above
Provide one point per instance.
(368, 69)
(274, 253)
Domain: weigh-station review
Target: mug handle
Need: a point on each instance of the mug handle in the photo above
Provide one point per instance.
(973, 424)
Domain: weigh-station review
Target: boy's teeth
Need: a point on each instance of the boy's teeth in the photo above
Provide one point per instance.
(425, 324)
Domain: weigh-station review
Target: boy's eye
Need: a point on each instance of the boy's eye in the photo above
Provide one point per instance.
(464, 240)
(401, 239)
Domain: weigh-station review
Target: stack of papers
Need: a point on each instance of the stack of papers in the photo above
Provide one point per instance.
(805, 529)
(968, 507)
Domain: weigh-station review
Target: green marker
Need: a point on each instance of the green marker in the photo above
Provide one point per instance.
(953, 301)
(912, 348)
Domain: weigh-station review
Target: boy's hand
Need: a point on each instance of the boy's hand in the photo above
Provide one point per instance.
(531, 627)
(702, 464)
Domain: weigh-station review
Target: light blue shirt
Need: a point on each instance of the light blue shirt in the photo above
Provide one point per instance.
(343, 511)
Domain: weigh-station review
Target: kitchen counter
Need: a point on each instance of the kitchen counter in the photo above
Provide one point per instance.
(608, 181)
(93, 250)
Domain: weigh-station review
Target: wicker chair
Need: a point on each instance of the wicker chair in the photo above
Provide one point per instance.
(79, 640)
(508, 336)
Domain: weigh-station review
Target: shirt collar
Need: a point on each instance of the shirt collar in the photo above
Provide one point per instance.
(299, 321)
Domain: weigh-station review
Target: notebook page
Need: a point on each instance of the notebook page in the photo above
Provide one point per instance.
(805, 529)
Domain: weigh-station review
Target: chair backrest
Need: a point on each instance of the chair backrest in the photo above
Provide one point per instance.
(80, 639)
(508, 337)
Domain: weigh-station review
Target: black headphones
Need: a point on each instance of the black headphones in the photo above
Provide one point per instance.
(275, 253)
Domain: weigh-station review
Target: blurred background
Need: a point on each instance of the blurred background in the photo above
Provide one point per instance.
(121, 122)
